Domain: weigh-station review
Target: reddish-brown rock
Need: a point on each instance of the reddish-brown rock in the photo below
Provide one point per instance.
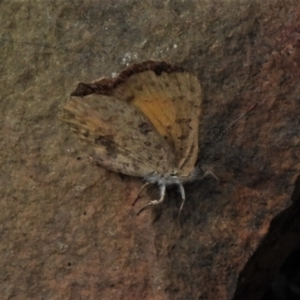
(67, 227)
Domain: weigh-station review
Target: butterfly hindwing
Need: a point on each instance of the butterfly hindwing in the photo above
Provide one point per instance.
(123, 138)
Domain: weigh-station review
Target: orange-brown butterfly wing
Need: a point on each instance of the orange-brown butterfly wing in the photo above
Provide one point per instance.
(172, 102)
(169, 97)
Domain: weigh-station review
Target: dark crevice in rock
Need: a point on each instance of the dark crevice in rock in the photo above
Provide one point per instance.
(260, 277)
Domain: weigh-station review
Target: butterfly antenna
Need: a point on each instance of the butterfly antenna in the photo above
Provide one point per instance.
(233, 122)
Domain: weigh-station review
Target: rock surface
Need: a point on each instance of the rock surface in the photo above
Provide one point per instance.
(67, 227)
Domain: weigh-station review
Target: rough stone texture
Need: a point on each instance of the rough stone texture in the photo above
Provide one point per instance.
(67, 227)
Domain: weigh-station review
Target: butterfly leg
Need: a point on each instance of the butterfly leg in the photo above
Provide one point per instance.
(155, 202)
(140, 192)
(182, 193)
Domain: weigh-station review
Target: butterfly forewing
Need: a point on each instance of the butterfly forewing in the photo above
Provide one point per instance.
(172, 103)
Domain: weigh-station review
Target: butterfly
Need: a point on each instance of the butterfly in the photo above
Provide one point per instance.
(143, 123)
